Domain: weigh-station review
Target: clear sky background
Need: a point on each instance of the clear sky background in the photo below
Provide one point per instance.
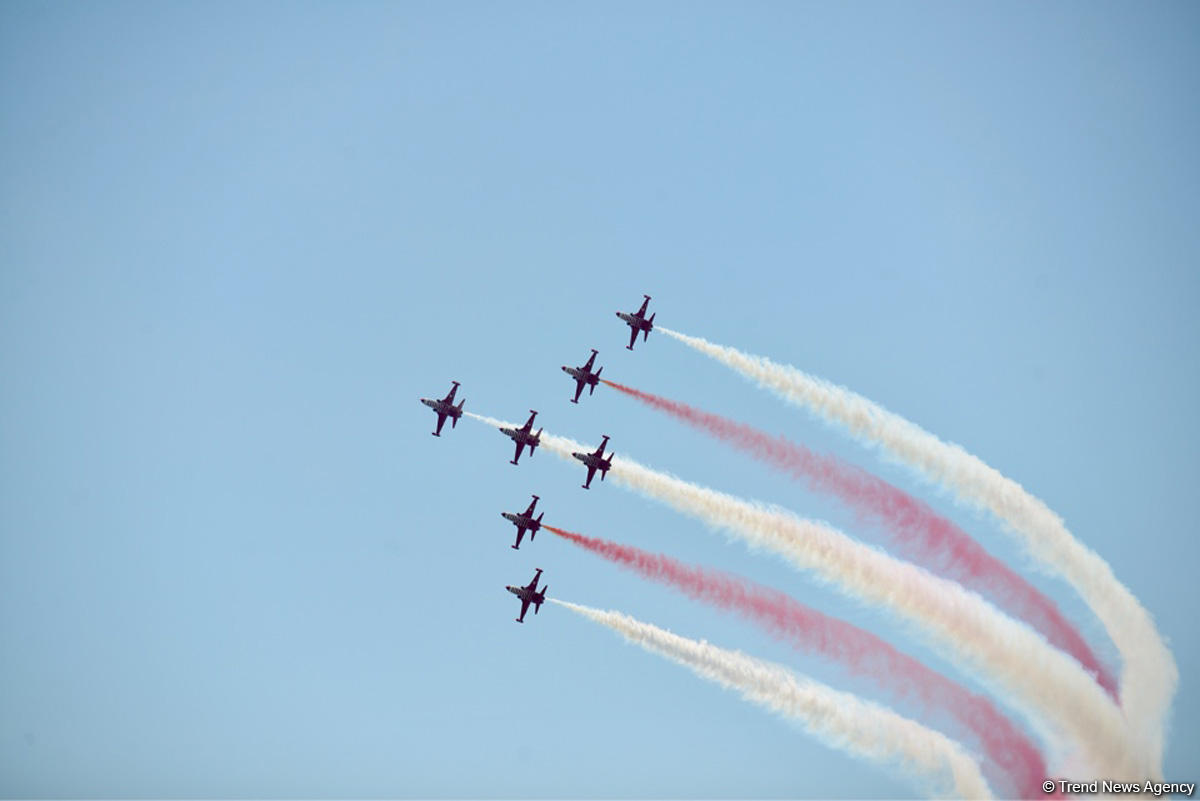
(238, 242)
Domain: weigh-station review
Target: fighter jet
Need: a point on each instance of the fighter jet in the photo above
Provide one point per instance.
(595, 461)
(524, 436)
(637, 322)
(584, 375)
(525, 520)
(446, 408)
(529, 594)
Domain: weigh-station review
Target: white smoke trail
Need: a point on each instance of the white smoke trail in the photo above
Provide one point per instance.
(838, 719)
(1150, 674)
(1051, 690)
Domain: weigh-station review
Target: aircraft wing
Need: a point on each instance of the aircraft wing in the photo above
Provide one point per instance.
(633, 332)
(441, 422)
(642, 311)
(532, 504)
(579, 382)
(520, 534)
(524, 609)
(591, 360)
(529, 423)
(520, 447)
(591, 472)
(450, 395)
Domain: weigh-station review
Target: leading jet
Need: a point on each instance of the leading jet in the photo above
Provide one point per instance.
(525, 520)
(584, 375)
(524, 436)
(637, 322)
(445, 408)
(595, 461)
(529, 594)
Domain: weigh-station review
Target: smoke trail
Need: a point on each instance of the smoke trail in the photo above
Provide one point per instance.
(838, 719)
(1048, 687)
(860, 651)
(1150, 675)
(922, 533)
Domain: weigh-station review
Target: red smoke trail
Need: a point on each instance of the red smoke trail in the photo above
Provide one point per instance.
(860, 651)
(921, 534)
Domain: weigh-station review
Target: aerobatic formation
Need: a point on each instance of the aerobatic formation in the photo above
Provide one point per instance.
(1083, 721)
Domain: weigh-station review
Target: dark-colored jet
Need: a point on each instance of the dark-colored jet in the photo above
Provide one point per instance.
(446, 408)
(525, 520)
(637, 322)
(584, 375)
(524, 436)
(595, 461)
(529, 594)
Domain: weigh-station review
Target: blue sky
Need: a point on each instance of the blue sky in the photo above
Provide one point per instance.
(240, 241)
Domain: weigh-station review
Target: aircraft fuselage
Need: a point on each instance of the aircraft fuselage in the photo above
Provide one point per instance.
(522, 437)
(522, 521)
(579, 374)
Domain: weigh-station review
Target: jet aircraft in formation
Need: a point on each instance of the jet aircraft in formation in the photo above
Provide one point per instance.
(445, 408)
(595, 461)
(524, 436)
(529, 594)
(637, 321)
(584, 375)
(525, 520)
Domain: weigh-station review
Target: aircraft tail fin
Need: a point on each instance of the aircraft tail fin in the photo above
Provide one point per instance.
(539, 518)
